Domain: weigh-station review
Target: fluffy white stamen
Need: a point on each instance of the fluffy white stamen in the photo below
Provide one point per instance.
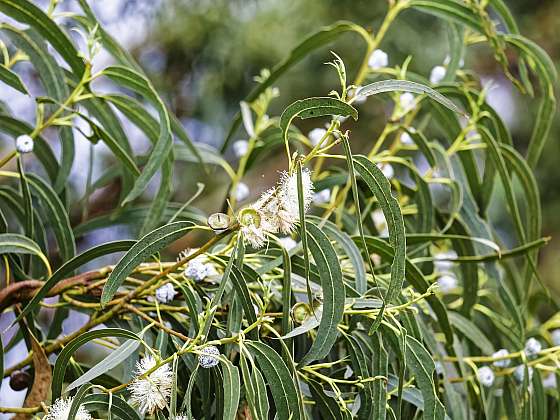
(60, 410)
(152, 392)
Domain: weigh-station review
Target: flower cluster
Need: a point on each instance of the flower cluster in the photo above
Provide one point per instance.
(165, 293)
(60, 410)
(152, 392)
(277, 210)
(24, 144)
(209, 357)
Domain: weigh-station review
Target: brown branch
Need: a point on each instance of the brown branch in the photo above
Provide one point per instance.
(23, 291)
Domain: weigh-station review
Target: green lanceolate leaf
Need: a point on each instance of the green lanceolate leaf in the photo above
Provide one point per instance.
(66, 354)
(314, 107)
(146, 246)
(55, 214)
(140, 84)
(232, 387)
(406, 86)
(328, 406)
(115, 358)
(255, 390)
(279, 380)
(421, 364)
(106, 402)
(12, 79)
(26, 12)
(472, 332)
(13, 243)
(328, 266)
(311, 43)
(381, 189)
(77, 401)
(449, 9)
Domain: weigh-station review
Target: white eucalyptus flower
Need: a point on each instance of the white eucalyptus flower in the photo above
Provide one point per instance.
(407, 101)
(519, 373)
(504, 363)
(447, 283)
(209, 357)
(152, 392)
(61, 409)
(555, 336)
(550, 381)
(486, 376)
(240, 148)
(197, 269)
(251, 221)
(437, 74)
(406, 139)
(316, 135)
(288, 243)
(378, 59)
(387, 170)
(442, 260)
(24, 144)
(165, 293)
(322, 197)
(380, 222)
(447, 60)
(241, 191)
(532, 347)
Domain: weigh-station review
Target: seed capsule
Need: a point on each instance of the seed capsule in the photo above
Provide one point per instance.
(20, 380)
(219, 222)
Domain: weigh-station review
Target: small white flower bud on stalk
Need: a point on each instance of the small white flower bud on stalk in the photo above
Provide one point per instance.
(378, 59)
(241, 191)
(387, 170)
(532, 347)
(288, 243)
(407, 101)
(519, 373)
(406, 139)
(356, 99)
(485, 376)
(165, 293)
(504, 362)
(153, 392)
(447, 283)
(316, 135)
(555, 336)
(24, 144)
(322, 197)
(209, 357)
(240, 148)
(442, 260)
(380, 222)
(437, 74)
(60, 410)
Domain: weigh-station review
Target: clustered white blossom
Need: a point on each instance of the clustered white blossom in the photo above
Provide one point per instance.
(316, 135)
(24, 144)
(60, 410)
(504, 362)
(277, 210)
(198, 270)
(532, 347)
(165, 293)
(152, 392)
(209, 357)
(486, 376)
(378, 59)
(240, 148)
